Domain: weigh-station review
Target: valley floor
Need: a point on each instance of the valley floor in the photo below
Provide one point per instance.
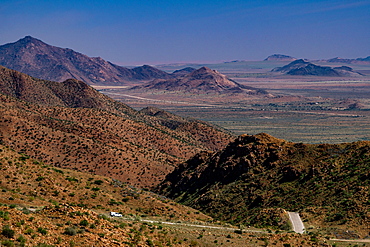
(316, 111)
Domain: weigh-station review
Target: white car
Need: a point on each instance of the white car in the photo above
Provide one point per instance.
(114, 214)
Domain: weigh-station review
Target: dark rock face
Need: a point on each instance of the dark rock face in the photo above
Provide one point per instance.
(38, 59)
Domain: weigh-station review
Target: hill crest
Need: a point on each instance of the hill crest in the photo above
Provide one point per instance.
(203, 80)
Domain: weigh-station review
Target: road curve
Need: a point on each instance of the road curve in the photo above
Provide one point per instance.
(297, 223)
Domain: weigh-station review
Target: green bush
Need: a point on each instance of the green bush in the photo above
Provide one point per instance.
(98, 182)
(71, 231)
(7, 232)
(42, 231)
(7, 243)
(84, 223)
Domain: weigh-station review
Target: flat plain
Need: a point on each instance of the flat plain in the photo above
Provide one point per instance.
(306, 109)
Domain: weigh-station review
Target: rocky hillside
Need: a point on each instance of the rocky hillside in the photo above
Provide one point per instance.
(255, 178)
(203, 80)
(36, 58)
(58, 207)
(71, 125)
(41, 205)
(280, 57)
(304, 68)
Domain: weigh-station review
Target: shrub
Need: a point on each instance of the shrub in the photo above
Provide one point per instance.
(98, 182)
(7, 243)
(42, 231)
(4, 215)
(71, 231)
(21, 239)
(28, 231)
(84, 223)
(7, 232)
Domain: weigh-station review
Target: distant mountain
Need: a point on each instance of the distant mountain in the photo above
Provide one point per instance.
(38, 59)
(183, 72)
(280, 57)
(257, 177)
(203, 80)
(304, 68)
(146, 73)
(71, 125)
(349, 61)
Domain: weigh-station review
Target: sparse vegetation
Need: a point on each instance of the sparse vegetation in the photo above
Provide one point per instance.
(261, 176)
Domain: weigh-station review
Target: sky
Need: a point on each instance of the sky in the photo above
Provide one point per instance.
(137, 32)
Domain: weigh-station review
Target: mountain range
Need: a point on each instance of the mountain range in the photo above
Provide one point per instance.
(38, 59)
(305, 68)
(365, 60)
(69, 124)
(286, 58)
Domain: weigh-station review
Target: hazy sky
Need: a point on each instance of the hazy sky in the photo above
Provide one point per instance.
(139, 32)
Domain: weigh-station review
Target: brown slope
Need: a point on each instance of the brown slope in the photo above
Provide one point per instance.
(62, 198)
(327, 183)
(42, 205)
(105, 137)
(36, 58)
(203, 80)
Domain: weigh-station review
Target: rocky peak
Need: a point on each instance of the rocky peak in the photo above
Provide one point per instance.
(29, 40)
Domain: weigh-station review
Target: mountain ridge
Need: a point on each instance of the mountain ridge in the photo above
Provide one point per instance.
(69, 118)
(36, 58)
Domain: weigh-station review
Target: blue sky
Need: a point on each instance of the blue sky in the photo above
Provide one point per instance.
(162, 31)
